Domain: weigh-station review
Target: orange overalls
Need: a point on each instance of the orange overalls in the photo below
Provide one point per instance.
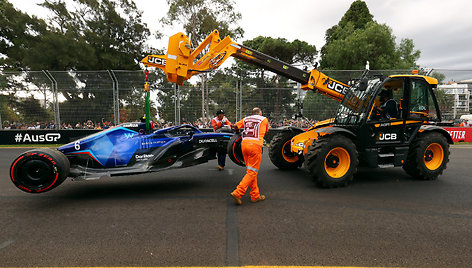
(255, 127)
(215, 122)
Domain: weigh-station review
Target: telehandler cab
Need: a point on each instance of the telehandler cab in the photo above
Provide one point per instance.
(362, 132)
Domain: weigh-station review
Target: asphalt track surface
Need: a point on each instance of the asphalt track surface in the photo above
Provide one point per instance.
(185, 217)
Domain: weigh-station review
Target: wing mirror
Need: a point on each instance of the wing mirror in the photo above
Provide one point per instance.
(363, 84)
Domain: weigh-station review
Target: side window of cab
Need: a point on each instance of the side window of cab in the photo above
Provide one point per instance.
(421, 103)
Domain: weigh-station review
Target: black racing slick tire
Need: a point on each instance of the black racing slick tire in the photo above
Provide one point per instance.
(428, 156)
(234, 150)
(39, 170)
(279, 151)
(332, 161)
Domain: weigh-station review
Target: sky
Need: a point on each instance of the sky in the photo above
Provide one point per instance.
(440, 29)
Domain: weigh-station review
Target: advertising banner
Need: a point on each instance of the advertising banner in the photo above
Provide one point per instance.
(460, 133)
(25, 137)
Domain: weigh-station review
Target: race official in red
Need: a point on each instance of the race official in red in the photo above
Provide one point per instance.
(218, 123)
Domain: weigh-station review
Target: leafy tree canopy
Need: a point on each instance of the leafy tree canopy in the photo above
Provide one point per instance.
(200, 17)
(296, 52)
(357, 38)
(18, 32)
(94, 35)
(276, 102)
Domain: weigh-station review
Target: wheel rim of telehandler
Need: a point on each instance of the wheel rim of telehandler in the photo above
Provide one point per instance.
(433, 156)
(337, 162)
(287, 154)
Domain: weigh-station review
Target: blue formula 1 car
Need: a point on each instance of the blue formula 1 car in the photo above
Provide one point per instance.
(117, 151)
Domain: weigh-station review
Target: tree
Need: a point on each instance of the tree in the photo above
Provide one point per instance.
(440, 76)
(31, 110)
(18, 33)
(110, 33)
(277, 102)
(319, 107)
(222, 93)
(445, 103)
(165, 95)
(200, 17)
(357, 38)
(92, 35)
(358, 15)
(295, 53)
(95, 35)
(408, 54)
(7, 112)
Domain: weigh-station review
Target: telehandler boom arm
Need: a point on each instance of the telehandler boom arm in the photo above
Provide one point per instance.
(181, 63)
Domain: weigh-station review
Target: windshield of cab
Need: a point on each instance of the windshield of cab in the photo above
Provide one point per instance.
(355, 104)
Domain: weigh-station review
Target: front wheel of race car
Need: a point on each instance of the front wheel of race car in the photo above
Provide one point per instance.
(280, 153)
(39, 170)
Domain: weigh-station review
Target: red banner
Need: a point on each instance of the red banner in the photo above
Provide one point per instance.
(460, 133)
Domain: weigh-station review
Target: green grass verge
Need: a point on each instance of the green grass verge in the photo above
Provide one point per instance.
(462, 143)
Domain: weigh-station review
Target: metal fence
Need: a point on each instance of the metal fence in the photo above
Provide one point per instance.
(99, 99)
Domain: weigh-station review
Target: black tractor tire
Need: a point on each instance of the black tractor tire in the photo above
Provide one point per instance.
(428, 156)
(280, 154)
(234, 150)
(39, 170)
(332, 161)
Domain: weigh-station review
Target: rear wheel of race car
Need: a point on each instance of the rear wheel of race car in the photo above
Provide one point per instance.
(428, 156)
(39, 170)
(332, 161)
(280, 153)
(234, 150)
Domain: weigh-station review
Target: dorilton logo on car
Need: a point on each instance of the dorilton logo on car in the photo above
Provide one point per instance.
(49, 137)
(142, 157)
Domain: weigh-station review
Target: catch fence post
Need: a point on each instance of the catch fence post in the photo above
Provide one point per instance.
(237, 103)
(203, 98)
(299, 104)
(116, 99)
(57, 118)
(177, 105)
(241, 98)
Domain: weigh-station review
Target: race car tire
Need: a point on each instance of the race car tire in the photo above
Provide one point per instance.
(332, 161)
(234, 150)
(279, 151)
(39, 170)
(427, 157)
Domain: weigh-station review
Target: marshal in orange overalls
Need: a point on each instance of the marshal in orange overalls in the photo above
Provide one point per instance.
(255, 127)
(218, 123)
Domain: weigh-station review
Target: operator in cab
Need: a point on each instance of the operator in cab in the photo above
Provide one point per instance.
(388, 107)
(219, 124)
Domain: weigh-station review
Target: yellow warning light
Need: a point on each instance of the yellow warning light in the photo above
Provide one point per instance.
(414, 72)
